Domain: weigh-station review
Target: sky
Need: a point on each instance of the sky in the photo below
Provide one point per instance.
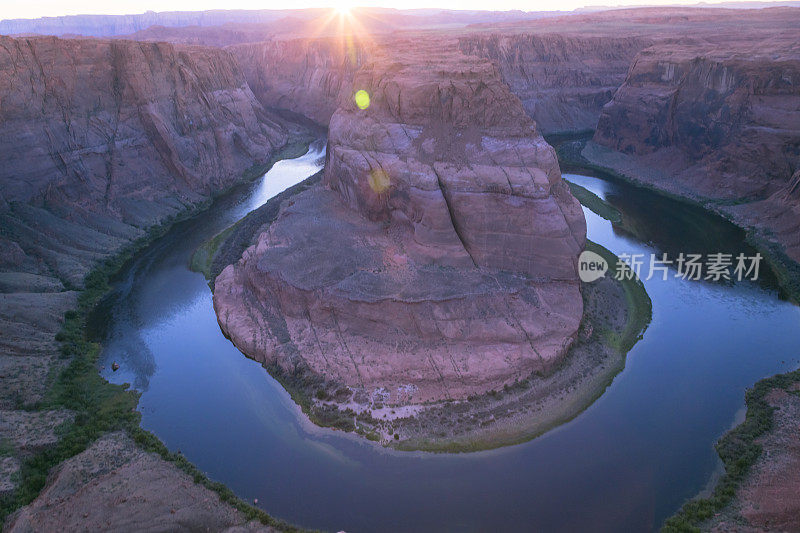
(10, 9)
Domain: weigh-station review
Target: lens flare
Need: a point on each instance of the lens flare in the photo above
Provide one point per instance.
(379, 181)
(362, 99)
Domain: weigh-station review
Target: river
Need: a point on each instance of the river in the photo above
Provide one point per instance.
(626, 463)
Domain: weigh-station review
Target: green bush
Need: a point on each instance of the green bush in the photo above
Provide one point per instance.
(100, 406)
(739, 451)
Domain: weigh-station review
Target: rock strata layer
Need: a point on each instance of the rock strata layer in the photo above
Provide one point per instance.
(563, 80)
(117, 136)
(721, 121)
(306, 76)
(100, 140)
(130, 490)
(439, 259)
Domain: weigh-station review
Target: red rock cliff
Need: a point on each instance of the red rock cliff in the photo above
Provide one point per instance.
(563, 80)
(305, 76)
(439, 261)
(724, 119)
(100, 139)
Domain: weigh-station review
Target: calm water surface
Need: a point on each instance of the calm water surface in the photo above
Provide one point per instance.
(626, 463)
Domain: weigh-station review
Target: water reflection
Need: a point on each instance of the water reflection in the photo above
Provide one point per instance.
(626, 463)
(674, 228)
(129, 319)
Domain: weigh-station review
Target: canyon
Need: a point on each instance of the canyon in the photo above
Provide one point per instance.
(100, 142)
(435, 259)
(382, 162)
(118, 137)
(305, 76)
(563, 80)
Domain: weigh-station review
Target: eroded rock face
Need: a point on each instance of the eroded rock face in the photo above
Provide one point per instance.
(563, 80)
(725, 118)
(305, 76)
(440, 259)
(446, 150)
(100, 139)
(130, 490)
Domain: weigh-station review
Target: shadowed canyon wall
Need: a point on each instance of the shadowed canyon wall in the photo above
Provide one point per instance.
(437, 257)
(98, 141)
(116, 136)
(305, 76)
(721, 121)
(563, 80)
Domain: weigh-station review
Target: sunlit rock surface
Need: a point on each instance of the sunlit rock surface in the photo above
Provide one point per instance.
(439, 259)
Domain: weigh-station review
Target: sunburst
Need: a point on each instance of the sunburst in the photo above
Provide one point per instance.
(343, 23)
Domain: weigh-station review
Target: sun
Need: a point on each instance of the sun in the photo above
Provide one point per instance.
(343, 7)
(344, 19)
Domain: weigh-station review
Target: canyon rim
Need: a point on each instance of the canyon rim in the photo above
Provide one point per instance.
(418, 285)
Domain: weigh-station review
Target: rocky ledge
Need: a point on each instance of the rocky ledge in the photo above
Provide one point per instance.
(303, 75)
(115, 486)
(438, 258)
(117, 136)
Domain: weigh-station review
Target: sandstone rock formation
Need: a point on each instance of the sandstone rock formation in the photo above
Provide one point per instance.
(131, 490)
(98, 141)
(440, 259)
(117, 136)
(566, 68)
(721, 121)
(563, 80)
(305, 76)
(219, 36)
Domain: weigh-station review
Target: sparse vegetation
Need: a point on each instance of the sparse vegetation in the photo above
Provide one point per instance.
(100, 406)
(6, 448)
(738, 448)
(496, 412)
(595, 203)
(739, 451)
(203, 257)
(787, 271)
(228, 245)
(639, 305)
